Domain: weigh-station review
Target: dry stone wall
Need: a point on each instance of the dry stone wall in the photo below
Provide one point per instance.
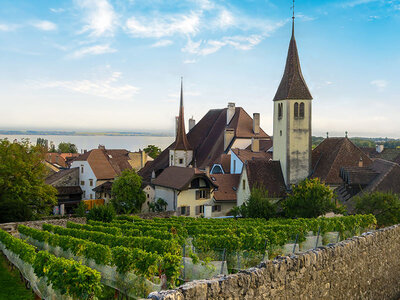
(365, 267)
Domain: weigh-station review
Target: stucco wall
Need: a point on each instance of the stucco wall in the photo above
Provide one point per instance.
(236, 164)
(167, 194)
(85, 176)
(188, 198)
(365, 267)
(243, 193)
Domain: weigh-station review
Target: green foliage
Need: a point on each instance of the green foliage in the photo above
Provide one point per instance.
(103, 213)
(127, 192)
(80, 211)
(259, 205)
(158, 205)
(153, 151)
(23, 192)
(310, 199)
(66, 276)
(385, 207)
(64, 147)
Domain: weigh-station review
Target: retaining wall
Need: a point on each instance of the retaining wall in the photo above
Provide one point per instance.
(365, 267)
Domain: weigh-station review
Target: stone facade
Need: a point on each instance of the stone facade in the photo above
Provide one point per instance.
(365, 267)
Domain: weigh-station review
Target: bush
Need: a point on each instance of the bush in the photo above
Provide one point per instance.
(103, 213)
(258, 205)
(80, 211)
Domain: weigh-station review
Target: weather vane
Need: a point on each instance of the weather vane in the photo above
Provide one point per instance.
(293, 10)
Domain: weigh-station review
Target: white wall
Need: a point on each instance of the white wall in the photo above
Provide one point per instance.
(150, 197)
(168, 195)
(243, 193)
(241, 143)
(236, 164)
(85, 176)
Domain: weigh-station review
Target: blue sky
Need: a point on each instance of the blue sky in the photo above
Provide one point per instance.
(116, 64)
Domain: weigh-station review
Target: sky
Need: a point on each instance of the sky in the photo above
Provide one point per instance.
(107, 65)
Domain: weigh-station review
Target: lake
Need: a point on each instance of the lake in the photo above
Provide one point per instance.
(131, 143)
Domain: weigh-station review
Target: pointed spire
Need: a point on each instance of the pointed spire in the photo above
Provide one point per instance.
(293, 85)
(181, 142)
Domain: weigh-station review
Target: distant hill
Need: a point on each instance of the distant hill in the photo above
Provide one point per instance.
(52, 132)
(365, 142)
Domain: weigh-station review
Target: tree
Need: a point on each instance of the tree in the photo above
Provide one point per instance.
(158, 206)
(127, 193)
(258, 205)
(64, 147)
(385, 207)
(152, 150)
(310, 199)
(23, 192)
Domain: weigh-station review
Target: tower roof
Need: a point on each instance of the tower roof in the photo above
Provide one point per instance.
(181, 142)
(293, 85)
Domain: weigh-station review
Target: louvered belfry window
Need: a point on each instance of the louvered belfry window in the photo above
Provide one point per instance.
(302, 110)
(296, 110)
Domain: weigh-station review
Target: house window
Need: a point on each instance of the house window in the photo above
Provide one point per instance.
(82, 182)
(91, 182)
(280, 132)
(296, 110)
(91, 196)
(301, 110)
(148, 196)
(280, 110)
(81, 168)
(216, 208)
(183, 210)
(244, 184)
(84, 194)
(202, 194)
(172, 158)
(199, 209)
(181, 161)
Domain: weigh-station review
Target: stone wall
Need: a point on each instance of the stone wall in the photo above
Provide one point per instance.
(12, 227)
(365, 267)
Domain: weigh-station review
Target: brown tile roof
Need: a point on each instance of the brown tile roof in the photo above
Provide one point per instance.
(106, 163)
(58, 175)
(60, 158)
(390, 154)
(68, 190)
(227, 186)
(331, 155)
(265, 145)
(267, 174)
(245, 155)
(207, 139)
(293, 85)
(179, 178)
(104, 187)
(358, 175)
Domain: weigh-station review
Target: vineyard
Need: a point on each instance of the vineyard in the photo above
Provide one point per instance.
(130, 257)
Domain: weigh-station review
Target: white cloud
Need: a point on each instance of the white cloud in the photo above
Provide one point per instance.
(57, 10)
(162, 27)
(162, 43)
(189, 61)
(45, 25)
(93, 50)
(381, 84)
(100, 17)
(225, 19)
(105, 88)
(8, 27)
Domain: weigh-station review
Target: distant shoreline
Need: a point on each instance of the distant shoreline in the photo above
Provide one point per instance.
(75, 133)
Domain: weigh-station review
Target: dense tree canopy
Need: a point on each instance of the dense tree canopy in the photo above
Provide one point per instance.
(310, 199)
(152, 150)
(64, 147)
(385, 207)
(23, 192)
(259, 205)
(127, 193)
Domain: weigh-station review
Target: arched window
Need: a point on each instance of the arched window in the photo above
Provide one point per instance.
(296, 110)
(280, 113)
(302, 110)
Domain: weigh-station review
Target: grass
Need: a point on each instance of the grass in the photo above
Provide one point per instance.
(11, 286)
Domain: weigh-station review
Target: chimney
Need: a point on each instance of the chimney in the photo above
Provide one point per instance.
(256, 123)
(229, 134)
(230, 112)
(102, 147)
(176, 125)
(192, 122)
(360, 162)
(255, 145)
(379, 148)
(143, 158)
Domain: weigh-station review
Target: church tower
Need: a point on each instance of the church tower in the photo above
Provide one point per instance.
(292, 120)
(182, 153)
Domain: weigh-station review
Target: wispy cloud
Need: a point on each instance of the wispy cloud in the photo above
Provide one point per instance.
(44, 25)
(8, 27)
(225, 19)
(162, 43)
(381, 84)
(106, 88)
(93, 50)
(353, 3)
(100, 17)
(163, 27)
(189, 61)
(57, 10)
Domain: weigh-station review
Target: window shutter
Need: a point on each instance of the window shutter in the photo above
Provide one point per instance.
(219, 207)
(197, 195)
(208, 194)
(197, 209)
(188, 210)
(178, 211)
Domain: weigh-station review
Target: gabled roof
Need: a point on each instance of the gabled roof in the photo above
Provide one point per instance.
(246, 155)
(293, 85)
(207, 139)
(179, 178)
(331, 155)
(227, 187)
(106, 163)
(61, 174)
(267, 174)
(104, 187)
(391, 154)
(60, 158)
(181, 142)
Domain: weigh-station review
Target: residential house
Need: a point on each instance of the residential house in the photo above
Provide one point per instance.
(225, 194)
(60, 160)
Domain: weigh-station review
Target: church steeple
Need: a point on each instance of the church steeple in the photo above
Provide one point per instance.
(293, 85)
(181, 142)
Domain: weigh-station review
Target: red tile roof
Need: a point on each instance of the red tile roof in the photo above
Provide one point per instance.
(227, 187)
(331, 155)
(245, 155)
